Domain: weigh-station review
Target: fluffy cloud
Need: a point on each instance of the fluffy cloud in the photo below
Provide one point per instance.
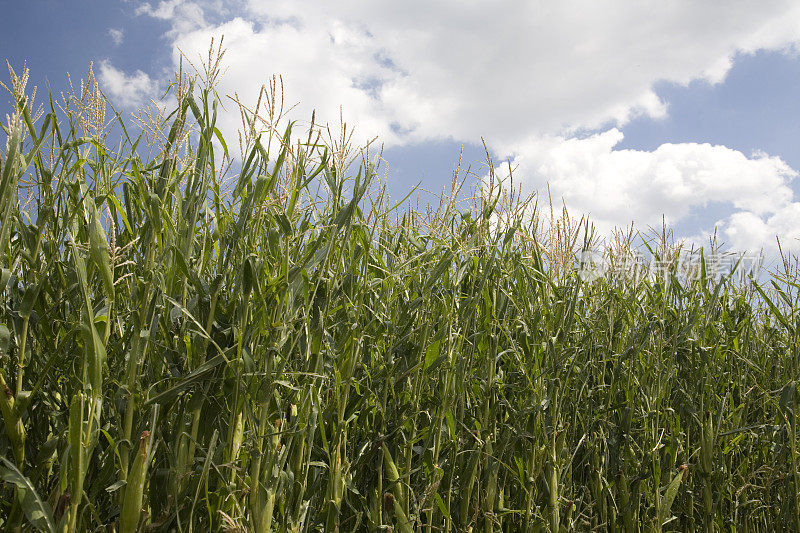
(130, 91)
(184, 16)
(529, 77)
(116, 35)
(615, 187)
(502, 70)
(746, 230)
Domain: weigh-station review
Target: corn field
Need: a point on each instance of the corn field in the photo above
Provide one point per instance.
(191, 343)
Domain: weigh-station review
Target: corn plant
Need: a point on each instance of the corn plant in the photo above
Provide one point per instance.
(195, 341)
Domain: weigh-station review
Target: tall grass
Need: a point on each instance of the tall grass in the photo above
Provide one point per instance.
(283, 350)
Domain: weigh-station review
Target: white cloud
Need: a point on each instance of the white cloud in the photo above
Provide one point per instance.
(324, 82)
(501, 70)
(746, 230)
(615, 187)
(525, 76)
(116, 35)
(130, 91)
(185, 15)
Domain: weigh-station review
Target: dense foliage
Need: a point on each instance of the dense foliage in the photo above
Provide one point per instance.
(283, 350)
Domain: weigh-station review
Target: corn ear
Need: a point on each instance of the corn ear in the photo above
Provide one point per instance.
(134, 490)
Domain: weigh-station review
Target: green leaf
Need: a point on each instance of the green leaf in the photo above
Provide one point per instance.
(249, 275)
(121, 211)
(116, 486)
(440, 504)
(100, 250)
(669, 497)
(9, 163)
(432, 353)
(28, 301)
(451, 424)
(187, 382)
(36, 510)
(221, 140)
(434, 275)
(5, 275)
(5, 338)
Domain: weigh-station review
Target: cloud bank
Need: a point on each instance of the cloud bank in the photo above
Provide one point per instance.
(530, 78)
(616, 187)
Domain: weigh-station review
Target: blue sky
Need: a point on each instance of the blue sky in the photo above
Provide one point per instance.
(628, 111)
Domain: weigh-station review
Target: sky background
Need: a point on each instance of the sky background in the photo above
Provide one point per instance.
(629, 110)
